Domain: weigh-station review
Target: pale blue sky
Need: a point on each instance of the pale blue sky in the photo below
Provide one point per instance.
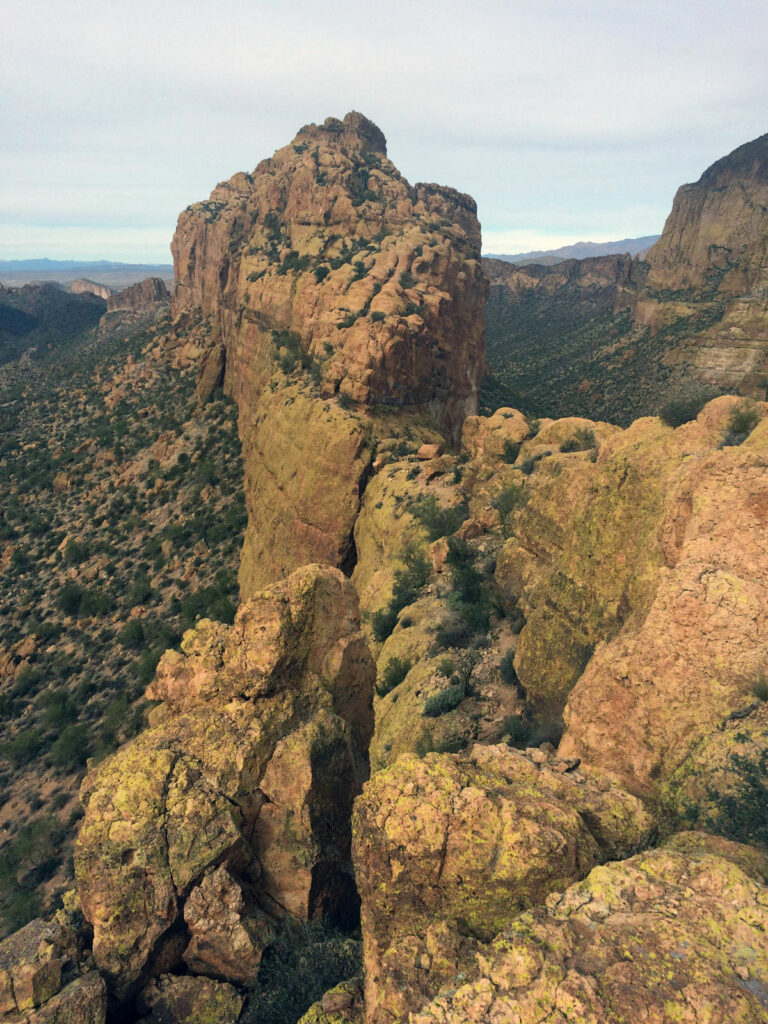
(566, 119)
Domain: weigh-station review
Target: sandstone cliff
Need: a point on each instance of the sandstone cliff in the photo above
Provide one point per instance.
(325, 270)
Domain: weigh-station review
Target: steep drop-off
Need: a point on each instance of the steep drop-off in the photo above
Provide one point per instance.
(325, 279)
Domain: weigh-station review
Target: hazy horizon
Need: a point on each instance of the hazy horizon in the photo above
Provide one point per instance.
(565, 125)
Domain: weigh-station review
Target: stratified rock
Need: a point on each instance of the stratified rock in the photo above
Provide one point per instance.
(665, 936)
(449, 849)
(253, 762)
(326, 268)
(186, 1000)
(146, 296)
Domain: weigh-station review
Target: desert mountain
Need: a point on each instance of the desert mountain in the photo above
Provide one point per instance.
(691, 318)
(580, 251)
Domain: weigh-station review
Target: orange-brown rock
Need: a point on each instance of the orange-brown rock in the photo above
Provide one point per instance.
(146, 296)
(674, 674)
(271, 717)
(677, 934)
(83, 284)
(327, 268)
(450, 848)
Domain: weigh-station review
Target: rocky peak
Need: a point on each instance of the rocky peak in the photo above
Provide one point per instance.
(714, 238)
(328, 291)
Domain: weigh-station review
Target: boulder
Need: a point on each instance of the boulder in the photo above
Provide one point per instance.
(245, 781)
(450, 848)
(664, 936)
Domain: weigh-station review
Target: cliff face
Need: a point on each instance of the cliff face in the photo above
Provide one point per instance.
(146, 296)
(325, 269)
(692, 317)
(716, 236)
(380, 280)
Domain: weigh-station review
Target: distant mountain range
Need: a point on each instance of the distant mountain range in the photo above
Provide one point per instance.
(580, 251)
(115, 274)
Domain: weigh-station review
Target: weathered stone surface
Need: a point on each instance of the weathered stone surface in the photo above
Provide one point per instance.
(448, 849)
(271, 715)
(672, 676)
(82, 1001)
(342, 1004)
(187, 1000)
(145, 296)
(227, 936)
(665, 936)
(326, 260)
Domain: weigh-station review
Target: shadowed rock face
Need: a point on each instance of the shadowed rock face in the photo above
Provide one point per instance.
(324, 272)
(233, 809)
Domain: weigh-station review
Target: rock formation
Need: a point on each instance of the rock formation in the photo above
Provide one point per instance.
(326, 259)
(83, 284)
(677, 934)
(449, 849)
(239, 795)
(146, 296)
(691, 316)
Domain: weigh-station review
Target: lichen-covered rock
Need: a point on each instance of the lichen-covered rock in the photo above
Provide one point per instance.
(448, 849)
(718, 785)
(82, 1001)
(227, 936)
(665, 936)
(342, 1004)
(187, 1000)
(670, 677)
(331, 282)
(271, 717)
(30, 967)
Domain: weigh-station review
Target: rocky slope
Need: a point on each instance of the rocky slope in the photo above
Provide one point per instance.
(122, 519)
(693, 318)
(324, 281)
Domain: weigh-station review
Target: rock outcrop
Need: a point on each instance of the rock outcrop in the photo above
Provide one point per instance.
(677, 934)
(327, 269)
(449, 849)
(83, 284)
(232, 811)
(148, 296)
(690, 317)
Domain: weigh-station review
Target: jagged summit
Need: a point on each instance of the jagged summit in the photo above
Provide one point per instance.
(355, 131)
(746, 162)
(328, 290)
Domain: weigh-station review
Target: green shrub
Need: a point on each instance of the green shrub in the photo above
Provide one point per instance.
(297, 969)
(509, 499)
(511, 451)
(743, 421)
(436, 520)
(446, 700)
(760, 688)
(74, 553)
(741, 813)
(70, 750)
(682, 410)
(394, 673)
(378, 316)
(583, 440)
(407, 280)
(321, 272)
